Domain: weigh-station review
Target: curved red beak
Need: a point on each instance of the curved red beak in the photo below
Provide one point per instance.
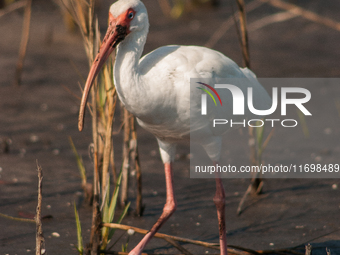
(114, 35)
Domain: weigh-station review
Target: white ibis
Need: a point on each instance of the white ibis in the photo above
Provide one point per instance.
(156, 89)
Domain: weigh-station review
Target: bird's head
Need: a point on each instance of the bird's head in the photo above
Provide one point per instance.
(125, 17)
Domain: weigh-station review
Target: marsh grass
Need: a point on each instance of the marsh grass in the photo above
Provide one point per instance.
(102, 108)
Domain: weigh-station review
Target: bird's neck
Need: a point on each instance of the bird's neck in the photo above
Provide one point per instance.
(128, 80)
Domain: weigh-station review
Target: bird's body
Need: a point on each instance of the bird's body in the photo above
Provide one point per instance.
(156, 89)
(159, 83)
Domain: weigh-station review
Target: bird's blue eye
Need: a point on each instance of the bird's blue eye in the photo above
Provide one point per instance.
(131, 15)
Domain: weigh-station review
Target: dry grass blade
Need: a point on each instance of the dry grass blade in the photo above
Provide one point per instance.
(159, 235)
(111, 101)
(126, 157)
(293, 9)
(131, 160)
(135, 160)
(256, 184)
(24, 41)
(16, 218)
(71, 92)
(308, 249)
(107, 148)
(96, 237)
(113, 165)
(74, 12)
(218, 34)
(178, 246)
(240, 206)
(40, 241)
(81, 16)
(244, 33)
(95, 136)
(274, 18)
(13, 7)
(96, 216)
(304, 13)
(232, 250)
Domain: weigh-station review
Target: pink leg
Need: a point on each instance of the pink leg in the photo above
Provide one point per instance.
(219, 200)
(168, 210)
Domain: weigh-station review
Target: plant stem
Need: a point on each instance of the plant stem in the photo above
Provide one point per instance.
(39, 232)
(24, 42)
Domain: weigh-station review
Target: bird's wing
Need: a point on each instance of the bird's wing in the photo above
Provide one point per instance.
(168, 71)
(193, 60)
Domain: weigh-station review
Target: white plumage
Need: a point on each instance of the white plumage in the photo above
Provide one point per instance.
(156, 89)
